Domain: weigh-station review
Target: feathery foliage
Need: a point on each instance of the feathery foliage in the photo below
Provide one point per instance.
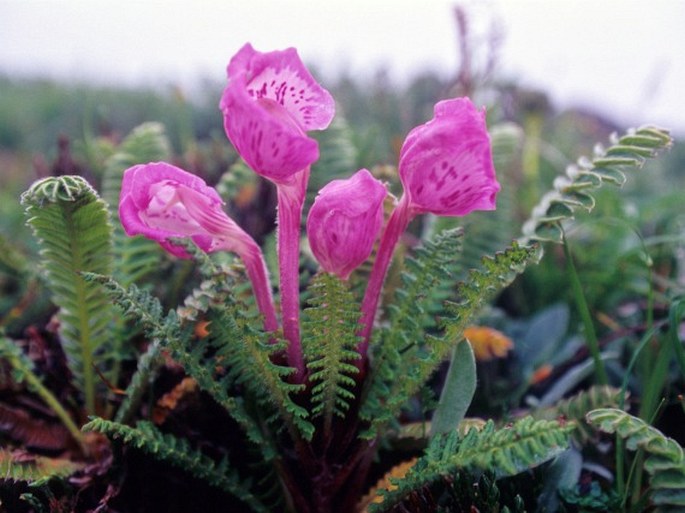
(504, 452)
(73, 230)
(244, 349)
(665, 460)
(576, 407)
(171, 334)
(180, 454)
(574, 190)
(482, 284)
(34, 469)
(147, 311)
(329, 340)
(402, 343)
(388, 393)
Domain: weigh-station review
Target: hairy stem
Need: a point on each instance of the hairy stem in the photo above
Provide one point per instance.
(397, 224)
(290, 202)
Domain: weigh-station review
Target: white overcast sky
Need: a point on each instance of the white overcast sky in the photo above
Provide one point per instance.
(626, 57)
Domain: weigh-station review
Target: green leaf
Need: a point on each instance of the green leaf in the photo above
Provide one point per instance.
(329, 336)
(505, 452)
(401, 349)
(574, 189)
(404, 365)
(237, 339)
(665, 458)
(457, 391)
(178, 453)
(32, 468)
(74, 233)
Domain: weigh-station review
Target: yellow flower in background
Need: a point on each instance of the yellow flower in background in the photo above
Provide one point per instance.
(488, 343)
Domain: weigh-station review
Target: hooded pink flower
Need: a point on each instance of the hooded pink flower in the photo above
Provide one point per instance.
(446, 164)
(161, 201)
(344, 222)
(270, 101)
(446, 169)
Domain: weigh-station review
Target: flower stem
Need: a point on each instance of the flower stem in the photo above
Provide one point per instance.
(397, 224)
(257, 273)
(290, 202)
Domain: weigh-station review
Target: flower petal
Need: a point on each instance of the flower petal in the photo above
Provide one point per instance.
(282, 77)
(446, 164)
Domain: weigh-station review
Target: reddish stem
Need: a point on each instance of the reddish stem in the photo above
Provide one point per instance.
(259, 277)
(290, 202)
(397, 224)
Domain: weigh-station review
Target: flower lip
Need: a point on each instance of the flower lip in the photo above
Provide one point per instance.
(446, 164)
(270, 101)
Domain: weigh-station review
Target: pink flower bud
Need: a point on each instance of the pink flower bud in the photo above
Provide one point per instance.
(161, 201)
(270, 101)
(344, 222)
(446, 164)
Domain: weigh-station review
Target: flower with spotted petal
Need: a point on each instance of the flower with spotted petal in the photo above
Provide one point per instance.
(269, 104)
(446, 169)
(446, 164)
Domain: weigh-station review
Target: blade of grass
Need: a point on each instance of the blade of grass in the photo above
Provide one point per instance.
(584, 311)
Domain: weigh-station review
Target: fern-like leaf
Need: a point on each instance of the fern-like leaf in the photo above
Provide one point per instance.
(329, 341)
(246, 353)
(504, 452)
(170, 333)
(665, 460)
(576, 407)
(32, 468)
(178, 453)
(74, 233)
(573, 190)
(400, 347)
(403, 370)
(482, 284)
(244, 349)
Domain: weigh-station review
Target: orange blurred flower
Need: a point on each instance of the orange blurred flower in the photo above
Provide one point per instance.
(488, 343)
(541, 374)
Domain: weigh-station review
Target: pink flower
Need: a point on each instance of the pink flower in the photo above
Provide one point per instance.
(446, 164)
(270, 102)
(446, 169)
(344, 222)
(161, 201)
